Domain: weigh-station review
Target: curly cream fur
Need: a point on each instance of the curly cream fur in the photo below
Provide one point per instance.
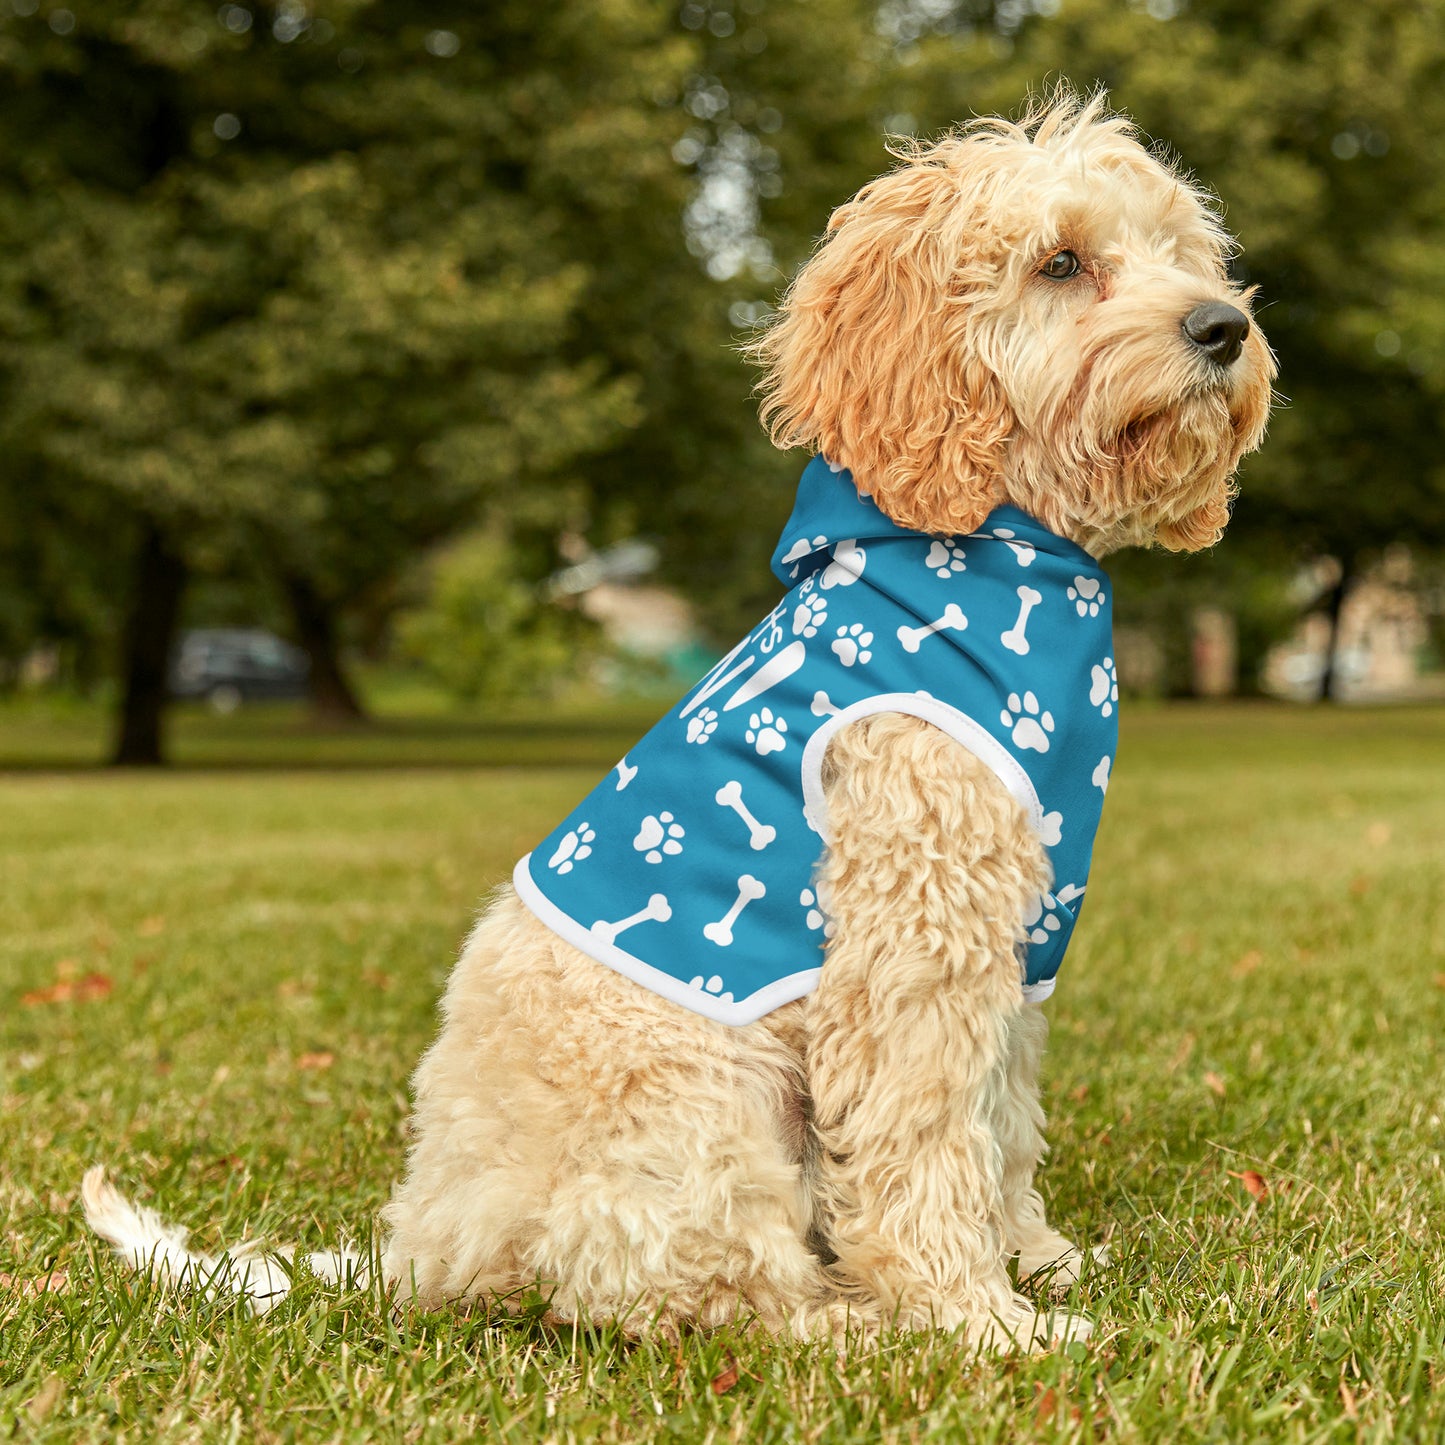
(638, 1162)
(867, 1155)
(922, 348)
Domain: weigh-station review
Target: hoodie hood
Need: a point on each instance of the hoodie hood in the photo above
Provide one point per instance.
(692, 867)
(831, 521)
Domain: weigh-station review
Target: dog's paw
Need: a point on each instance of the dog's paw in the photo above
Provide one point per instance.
(1023, 1326)
(1058, 1268)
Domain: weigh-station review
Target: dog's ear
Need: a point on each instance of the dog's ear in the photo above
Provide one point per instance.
(872, 358)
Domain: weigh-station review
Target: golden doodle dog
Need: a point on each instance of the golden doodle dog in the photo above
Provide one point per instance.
(1024, 321)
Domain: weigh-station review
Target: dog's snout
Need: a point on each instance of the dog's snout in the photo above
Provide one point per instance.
(1218, 330)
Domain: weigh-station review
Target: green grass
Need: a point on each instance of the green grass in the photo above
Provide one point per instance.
(1257, 985)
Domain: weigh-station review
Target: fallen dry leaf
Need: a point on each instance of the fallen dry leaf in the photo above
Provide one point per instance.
(56, 1282)
(1360, 885)
(1440, 980)
(1181, 1054)
(1046, 1407)
(1254, 1182)
(1377, 834)
(1080, 1094)
(1214, 1083)
(321, 1059)
(724, 1382)
(1247, 964)
(46, 1398)
(151, 927)
(80, 990)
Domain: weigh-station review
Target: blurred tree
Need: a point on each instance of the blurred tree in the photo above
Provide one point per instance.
(480, 631)
(304, 280)
(326, 283)
(780, 113)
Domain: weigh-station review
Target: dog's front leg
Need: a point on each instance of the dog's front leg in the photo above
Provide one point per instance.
(930, 869)
(1042, 1251)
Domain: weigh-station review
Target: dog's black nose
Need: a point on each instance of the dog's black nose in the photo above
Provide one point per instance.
(1217, 330)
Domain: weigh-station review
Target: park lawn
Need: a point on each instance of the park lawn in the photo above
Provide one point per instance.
(216, 981)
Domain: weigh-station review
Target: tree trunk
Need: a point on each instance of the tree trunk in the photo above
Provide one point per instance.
(1329, 675)
(150, 630)
(333, 699)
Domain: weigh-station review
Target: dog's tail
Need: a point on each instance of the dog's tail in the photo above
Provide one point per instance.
(148, 1244)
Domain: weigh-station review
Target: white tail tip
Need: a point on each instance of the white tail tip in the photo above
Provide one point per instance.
(148, 1244)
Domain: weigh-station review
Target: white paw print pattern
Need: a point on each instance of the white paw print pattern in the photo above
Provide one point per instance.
(1030, 724)
(576, 845)
(659, 834)
(1104, 687)
(809, 615)
(1087, 596)
(765, 732)
(849, 560)
(945, 558)
(853, 645)
(1040, 921)
(713, 985)
(816, 918)
(803, 547)
(701, 726)
(1101, 774)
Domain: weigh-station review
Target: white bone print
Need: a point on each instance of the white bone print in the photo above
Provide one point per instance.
(721, 932)
(772, 672)
(722, 674)
(1014, 639)
(952, 620)
(730, 795)
(822, 705)
(1024, 551)
(625, 774)
(658, 910)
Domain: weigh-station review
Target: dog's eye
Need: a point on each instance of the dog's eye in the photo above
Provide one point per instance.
(1061, 266)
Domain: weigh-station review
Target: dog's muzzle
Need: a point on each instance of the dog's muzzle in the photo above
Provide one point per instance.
(1218, 330)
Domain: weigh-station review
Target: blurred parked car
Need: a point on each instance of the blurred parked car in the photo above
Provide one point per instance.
(230, 665)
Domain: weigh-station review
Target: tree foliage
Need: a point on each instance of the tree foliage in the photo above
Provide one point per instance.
(322, 284)
(318, 285)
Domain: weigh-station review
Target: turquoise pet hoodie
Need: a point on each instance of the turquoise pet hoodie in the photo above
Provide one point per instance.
(690, 868)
